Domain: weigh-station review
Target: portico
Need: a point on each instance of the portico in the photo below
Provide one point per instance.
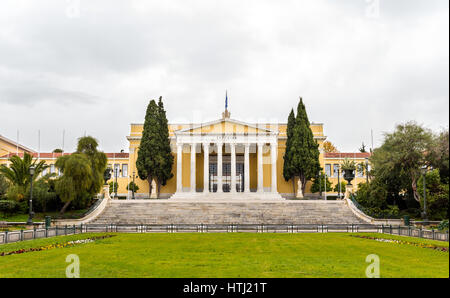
(226, 146)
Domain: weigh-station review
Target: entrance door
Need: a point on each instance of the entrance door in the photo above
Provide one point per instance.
(226, 177)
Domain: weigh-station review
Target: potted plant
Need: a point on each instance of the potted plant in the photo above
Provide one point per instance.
(349, 167)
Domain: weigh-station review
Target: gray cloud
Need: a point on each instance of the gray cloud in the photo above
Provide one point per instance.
(93, 67)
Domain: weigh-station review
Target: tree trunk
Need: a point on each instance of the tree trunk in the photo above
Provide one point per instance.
(302, 178)
(64, 208)
(414, 189)
(293, 185)
(149, 180)
(159, 189)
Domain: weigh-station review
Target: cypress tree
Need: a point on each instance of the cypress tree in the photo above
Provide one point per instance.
(148, 155)
(304, 149)
(287, 165)
(165, 160)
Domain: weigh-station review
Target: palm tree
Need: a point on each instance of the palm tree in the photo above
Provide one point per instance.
(18, 173)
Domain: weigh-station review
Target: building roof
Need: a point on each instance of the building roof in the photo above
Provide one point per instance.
(15, 144)
(346, 154)
(48, 155)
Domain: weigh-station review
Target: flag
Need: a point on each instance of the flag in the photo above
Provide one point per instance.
(226, 100)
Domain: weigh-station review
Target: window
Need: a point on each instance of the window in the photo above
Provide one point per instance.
(44, 172)
(52, 168)
(116, 170)
(335, 170)
(328, 170)
(125, 170)
(360, 172)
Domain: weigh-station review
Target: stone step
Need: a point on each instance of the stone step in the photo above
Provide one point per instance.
(251, 212)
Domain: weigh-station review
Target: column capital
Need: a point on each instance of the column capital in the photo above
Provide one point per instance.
(247, 145)
(260, 144)
(180, 144)
(205, 145)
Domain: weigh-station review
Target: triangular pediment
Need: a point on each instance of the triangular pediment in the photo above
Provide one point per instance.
(226, 126)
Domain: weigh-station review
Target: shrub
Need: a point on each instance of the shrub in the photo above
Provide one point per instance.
(132, 186)
(8, 207)
(443, 225)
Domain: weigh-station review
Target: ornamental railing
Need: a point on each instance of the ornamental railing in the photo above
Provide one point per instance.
(21, 235)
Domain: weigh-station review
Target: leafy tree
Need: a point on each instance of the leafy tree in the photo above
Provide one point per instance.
(18, 173)
(329, 147)
(438, 155)
(155, 159)
(402, 156)
(165, 160)
(288, 172)
(318, 184)
(58, 150)
(437, 195)
(304, 151)
(82, 173)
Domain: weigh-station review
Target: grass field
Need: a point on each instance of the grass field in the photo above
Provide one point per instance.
(227, 255)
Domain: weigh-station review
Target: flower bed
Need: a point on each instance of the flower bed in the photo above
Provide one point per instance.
(55, 245)
(423, 245)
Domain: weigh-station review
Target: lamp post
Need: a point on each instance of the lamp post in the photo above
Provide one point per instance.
(339, 182)
(116, 173)
(320, 187)
(133, 186)
(367, 170)
(30, 213)
(424, 213)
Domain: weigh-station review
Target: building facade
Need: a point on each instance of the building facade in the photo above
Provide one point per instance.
(225, 157)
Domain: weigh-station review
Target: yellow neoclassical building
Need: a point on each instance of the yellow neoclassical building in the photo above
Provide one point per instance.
(223, 158)
(228, 157)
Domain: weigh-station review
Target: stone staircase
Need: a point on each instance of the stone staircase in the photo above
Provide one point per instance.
(224, 212)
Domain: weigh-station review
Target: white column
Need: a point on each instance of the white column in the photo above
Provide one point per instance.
(233, 167)
(193, 167)
(273, 156)
(219, 167)
(205, 167)
(179, 167)
(247, 168)
(260, 168)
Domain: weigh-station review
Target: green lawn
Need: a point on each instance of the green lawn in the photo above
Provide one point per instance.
(227, 255)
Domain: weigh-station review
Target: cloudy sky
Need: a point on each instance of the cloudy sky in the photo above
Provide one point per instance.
(92, 66)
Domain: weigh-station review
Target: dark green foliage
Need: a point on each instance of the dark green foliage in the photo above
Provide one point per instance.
(147, 160)
(57, 150)
(18, 173)
(342, 190)
(165, 161)
(4, 185)
(155, 159)
(8, 207)
(113, 186)
(82, 175)
(132, 186)
(437, 195)
(303, 155)
(288, 172)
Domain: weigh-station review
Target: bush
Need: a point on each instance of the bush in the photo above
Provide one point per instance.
(8, 207)
(443, 225)
(113, 186)
(132, 186)
(3, 186)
